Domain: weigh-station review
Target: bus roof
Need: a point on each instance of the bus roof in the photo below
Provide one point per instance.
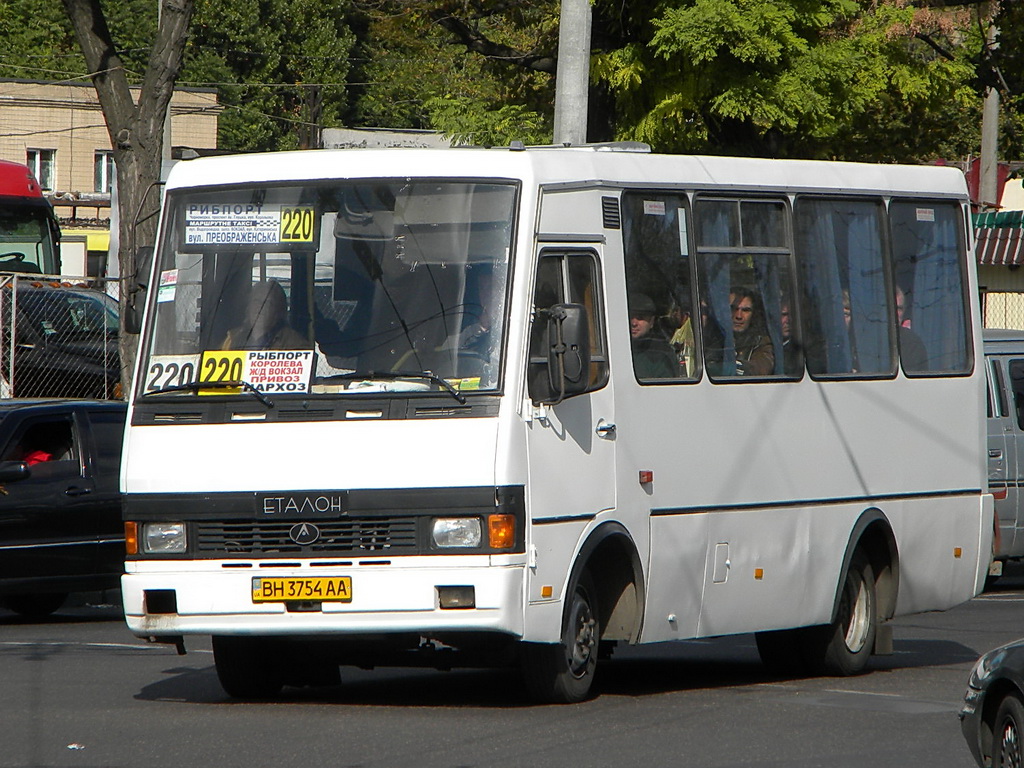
(16, 180)
(583, 165)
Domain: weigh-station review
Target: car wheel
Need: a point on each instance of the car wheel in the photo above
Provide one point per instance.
(843, 647)
(1006, 746)
(36, 605)
(563, 673)
(248, 667)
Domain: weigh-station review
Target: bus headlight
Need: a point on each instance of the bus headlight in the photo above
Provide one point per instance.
(457, 532)
(163, 538)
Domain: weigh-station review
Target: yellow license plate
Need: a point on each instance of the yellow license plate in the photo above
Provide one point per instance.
(279, 589)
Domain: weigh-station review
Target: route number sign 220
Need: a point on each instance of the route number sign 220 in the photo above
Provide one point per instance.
(297, 225)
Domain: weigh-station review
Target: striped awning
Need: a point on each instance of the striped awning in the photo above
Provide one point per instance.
(999, 237)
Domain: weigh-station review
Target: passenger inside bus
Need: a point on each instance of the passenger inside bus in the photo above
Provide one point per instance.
(912, 349)
(791, 362)
(266, 322)
(653, 356)
(755, 355)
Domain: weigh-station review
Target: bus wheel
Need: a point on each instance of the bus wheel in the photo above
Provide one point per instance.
(247, 667)
(563, 673)
(844, 647)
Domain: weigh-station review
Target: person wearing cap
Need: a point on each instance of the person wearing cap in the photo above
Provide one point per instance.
(653, 356)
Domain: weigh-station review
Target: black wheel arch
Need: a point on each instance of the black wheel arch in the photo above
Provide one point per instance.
(610, 556)
(873, 535)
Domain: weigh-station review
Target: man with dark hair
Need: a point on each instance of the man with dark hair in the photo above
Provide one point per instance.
(653, 356)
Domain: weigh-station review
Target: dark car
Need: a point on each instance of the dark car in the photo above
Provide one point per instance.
(60, 508)
(65, 341)
(992, 717)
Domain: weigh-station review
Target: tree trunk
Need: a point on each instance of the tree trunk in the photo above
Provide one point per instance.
(136, 128)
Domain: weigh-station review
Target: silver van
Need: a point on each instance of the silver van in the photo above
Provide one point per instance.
(1004, 369)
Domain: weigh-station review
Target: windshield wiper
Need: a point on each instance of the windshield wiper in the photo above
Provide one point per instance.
(397, 376)
(195, 386)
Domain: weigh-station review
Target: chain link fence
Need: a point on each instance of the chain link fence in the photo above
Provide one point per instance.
(1003, 309)
(59, 337)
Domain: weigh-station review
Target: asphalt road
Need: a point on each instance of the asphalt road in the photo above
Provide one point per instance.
(80, 690)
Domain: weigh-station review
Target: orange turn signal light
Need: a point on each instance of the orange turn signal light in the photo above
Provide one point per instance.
(501, 531)
(131, 538)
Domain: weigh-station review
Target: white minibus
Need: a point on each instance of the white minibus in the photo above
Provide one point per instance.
(518, 406)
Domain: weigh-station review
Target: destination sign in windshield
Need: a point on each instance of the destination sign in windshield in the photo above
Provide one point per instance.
(250, 224)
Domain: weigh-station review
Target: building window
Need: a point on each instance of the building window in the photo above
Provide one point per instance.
(42, 163)
(103, 170)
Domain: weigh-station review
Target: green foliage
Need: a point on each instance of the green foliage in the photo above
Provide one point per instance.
(280, 66)
(805, 78)
(856, 79)
(466, 123)
(415, 76)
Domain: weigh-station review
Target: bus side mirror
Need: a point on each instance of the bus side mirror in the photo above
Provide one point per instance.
(566, 354)
(135, 302)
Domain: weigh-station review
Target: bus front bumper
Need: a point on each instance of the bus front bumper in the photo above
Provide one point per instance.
(217, 598)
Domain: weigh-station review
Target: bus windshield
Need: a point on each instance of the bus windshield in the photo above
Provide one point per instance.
(331, 288)
(26, 237)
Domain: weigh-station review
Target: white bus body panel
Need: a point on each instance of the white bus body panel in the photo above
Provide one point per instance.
(363, 453)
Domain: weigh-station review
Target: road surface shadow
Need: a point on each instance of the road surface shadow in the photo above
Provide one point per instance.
(646, 670)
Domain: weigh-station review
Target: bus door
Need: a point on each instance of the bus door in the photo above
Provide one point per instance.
(571, 443)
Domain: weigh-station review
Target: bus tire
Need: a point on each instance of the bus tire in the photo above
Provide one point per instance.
(563, 673)
(247, 667)
(843, 647)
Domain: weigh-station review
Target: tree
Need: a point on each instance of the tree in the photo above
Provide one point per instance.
(810, 78)
(856, 79)
(136, 128)
(484, 77)
(280, 66)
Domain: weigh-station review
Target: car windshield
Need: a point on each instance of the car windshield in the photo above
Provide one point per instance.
(67, 313)
(323, 289)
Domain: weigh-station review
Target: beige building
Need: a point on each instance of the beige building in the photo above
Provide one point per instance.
(58, 130)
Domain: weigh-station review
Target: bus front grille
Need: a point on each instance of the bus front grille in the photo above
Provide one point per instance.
(355, 537)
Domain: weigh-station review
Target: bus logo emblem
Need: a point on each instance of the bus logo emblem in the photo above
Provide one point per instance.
(304, 534)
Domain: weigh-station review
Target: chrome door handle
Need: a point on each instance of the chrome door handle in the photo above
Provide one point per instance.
(605, 429)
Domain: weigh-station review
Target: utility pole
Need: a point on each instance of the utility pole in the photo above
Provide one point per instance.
(572, 80)
(988, 177)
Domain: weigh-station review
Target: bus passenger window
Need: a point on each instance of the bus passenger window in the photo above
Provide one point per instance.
(659, 285)
(844, 297)
(930, 287)
(746, 296)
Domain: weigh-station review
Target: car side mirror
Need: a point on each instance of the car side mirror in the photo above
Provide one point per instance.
(135, 302)
(12, 471)
(566, 354)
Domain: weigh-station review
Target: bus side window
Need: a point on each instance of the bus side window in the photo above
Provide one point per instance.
(930, 286)
(745, 283)
(659, 286)
(566, 278)
(844, 296)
